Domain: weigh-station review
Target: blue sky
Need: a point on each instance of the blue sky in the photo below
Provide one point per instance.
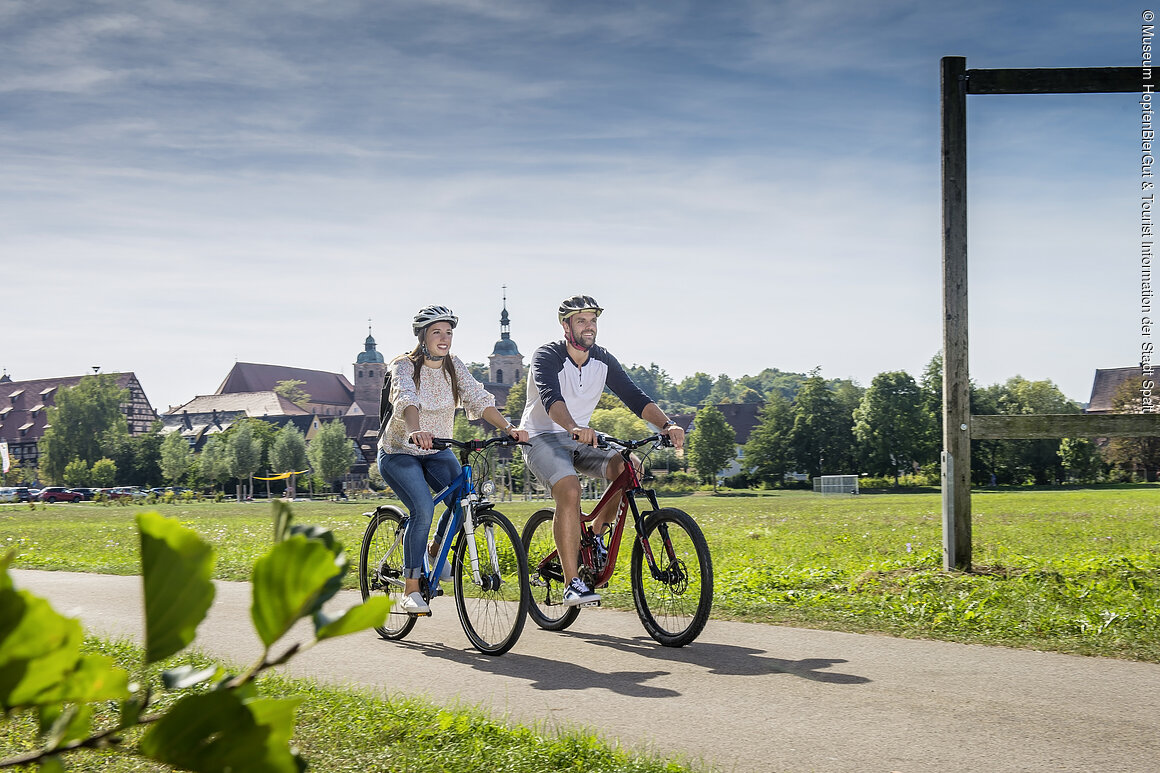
(741, 184)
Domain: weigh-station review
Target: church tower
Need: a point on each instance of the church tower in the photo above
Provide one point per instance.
(505, 363)
(369, 372)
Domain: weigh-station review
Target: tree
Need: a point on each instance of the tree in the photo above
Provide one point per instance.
(479, 372)
(768, 454)
(694, 389)
(1134, 455)
(104, 473)
(213, 466)
(176, 457)
(291, 389)
(330, 452)
(889, 423)
(1038, 461)
(712, 443)
(243, 452)
(653, 380)
(817, 438)
(76, 473)
(516, 398)
(462, 429)
(722, 391)
(84, 424)
(619, 422)
(288, 453)
(1081, 459)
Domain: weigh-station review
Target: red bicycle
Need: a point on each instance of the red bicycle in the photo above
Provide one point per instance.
(671, 569)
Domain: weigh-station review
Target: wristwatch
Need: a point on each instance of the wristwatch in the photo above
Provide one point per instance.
(667, 424)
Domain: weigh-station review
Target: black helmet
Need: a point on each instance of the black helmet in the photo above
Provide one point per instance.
(430, 315)
(577, 304)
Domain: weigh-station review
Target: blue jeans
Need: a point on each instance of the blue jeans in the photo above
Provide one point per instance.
(413, 478)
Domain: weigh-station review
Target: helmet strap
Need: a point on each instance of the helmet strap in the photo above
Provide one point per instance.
(571, 339)
(426, 353)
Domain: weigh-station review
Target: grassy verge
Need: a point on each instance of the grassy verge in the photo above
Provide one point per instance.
(345, 730)
(1066, 570)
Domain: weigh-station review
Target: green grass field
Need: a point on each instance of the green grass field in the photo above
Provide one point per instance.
(1067, 570)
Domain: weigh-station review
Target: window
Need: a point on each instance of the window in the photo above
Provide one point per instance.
(499, 376)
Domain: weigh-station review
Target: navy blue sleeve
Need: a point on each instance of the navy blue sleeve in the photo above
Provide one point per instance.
(547, 362)
(622, 386)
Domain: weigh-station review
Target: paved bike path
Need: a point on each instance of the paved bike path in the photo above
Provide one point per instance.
(743, 697)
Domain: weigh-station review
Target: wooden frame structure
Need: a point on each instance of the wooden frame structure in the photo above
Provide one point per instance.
(959, 426)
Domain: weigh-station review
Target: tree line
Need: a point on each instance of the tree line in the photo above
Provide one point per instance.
(891, 429)
(87, 443)
(807, 425)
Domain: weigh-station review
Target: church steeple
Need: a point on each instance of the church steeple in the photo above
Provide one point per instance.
(505, 364)
(369, 370)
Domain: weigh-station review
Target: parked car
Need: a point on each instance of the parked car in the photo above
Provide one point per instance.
(23, 494)
(86, 493)
(125, 492)
(58, 494)
(8, 494)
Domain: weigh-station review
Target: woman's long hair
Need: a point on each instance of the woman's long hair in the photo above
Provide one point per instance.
(416, 358)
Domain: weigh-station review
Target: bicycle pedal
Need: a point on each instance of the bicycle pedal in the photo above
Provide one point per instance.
(590, 604)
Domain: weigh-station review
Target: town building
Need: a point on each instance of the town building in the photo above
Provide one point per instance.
(24, 411)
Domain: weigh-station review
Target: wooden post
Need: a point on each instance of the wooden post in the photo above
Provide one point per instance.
(956, 378)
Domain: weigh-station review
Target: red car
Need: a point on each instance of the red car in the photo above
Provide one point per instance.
(59, 494)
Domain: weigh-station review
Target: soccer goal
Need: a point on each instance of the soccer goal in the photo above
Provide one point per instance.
(836, 484)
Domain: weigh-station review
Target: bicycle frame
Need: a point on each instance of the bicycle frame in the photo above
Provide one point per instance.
(626, 484)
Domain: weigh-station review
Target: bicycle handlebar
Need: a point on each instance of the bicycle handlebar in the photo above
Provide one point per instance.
(441, 443)
(604, 441)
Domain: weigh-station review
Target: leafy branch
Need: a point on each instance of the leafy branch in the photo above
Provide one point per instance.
(220, 723)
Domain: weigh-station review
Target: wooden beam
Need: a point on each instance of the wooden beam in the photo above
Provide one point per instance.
(1058, 80)
(1050, 426)
(956, 379)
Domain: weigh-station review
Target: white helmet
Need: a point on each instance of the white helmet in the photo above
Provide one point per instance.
(430, 315)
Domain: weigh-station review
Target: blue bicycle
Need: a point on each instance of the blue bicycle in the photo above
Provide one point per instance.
(489, 567)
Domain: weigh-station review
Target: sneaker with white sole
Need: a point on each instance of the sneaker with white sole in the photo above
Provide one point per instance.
(578, 593)
(413, 604)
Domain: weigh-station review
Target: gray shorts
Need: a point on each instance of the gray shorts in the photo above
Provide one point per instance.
(554, 456)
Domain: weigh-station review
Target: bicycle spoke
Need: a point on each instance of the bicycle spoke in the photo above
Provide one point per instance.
(491, 610)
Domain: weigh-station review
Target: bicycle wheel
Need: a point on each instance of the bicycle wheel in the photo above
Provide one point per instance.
(492, 611)
(545, 577)
(380, 568)
(674, 606)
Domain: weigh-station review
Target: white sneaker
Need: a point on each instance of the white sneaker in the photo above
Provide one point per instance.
(413, 604)
(578, 593)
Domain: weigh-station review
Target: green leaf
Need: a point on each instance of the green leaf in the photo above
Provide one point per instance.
(176, 566)
(283, 516)
(217, 732)
(38, 649)
(291, 581)
(94, 678)
(369, 614)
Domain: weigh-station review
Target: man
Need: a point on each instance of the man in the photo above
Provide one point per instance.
(564, 386)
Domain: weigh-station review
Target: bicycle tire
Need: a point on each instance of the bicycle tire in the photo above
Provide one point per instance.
(493, 612)
(545, 583)
(675, 607)
(380, 568)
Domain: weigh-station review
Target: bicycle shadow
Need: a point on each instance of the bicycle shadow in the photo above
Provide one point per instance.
(547, 674)
(726, 659)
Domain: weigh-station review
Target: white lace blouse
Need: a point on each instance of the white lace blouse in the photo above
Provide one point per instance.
(434, 400)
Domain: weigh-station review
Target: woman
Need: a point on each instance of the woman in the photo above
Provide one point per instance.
(427, 386)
